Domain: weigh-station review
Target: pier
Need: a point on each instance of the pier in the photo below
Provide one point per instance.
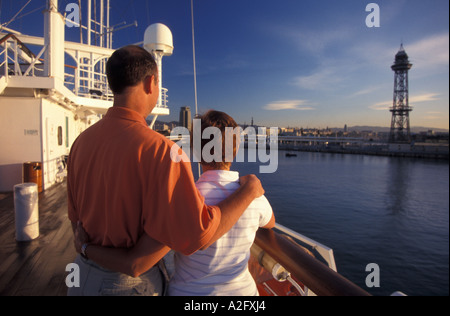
(360, 146)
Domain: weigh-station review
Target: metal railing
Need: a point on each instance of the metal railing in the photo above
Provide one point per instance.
(315, 275)
(164, 98)
(16, 59)
(325, 252)
(83, 79)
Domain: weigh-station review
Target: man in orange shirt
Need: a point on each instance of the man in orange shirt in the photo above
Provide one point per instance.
(123, 185)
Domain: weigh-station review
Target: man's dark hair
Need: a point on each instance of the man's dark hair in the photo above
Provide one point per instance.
(128, 66)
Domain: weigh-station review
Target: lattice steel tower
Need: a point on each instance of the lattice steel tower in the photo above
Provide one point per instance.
(400, 128)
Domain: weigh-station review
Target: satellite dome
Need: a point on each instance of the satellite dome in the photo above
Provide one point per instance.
(158, 37)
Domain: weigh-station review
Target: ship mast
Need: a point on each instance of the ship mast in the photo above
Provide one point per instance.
(53, 38)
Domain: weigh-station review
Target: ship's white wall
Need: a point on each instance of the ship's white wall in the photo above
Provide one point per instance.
(31, 128)
(53, 127)
(20, 140)
(55, 120)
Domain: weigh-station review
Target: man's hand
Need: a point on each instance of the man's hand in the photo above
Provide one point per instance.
(252, 183)
(80, 237)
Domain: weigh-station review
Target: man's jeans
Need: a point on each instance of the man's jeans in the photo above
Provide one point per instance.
(98, 281)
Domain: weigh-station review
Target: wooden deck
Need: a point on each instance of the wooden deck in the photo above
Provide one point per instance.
(38, 267)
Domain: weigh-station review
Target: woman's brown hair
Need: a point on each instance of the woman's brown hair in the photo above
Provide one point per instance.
(221, 121)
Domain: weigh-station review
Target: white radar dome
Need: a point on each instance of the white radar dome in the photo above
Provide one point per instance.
(158, 37)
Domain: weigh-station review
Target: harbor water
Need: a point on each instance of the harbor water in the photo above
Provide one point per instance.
(369, 209)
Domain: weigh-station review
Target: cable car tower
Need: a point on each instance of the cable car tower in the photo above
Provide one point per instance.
(400, 128)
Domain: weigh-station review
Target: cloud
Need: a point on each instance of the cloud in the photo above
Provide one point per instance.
(430, 53)
(426, 97)
(381, 106)
(432, 117)
(312, 40)
(323, 78)
(299, 105)
(368, 90)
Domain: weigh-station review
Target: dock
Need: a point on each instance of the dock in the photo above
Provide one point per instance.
(37, 267)
(360, 146)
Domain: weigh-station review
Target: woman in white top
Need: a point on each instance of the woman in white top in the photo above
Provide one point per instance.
(222, 268)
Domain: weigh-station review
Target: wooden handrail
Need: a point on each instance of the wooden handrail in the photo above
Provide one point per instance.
(318, 277)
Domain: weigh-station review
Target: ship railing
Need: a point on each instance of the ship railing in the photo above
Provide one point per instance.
(84, 79)
(98, 88)
(164, 98)
(16, 58)
(325, 252)
(4, 58)
(316, 276)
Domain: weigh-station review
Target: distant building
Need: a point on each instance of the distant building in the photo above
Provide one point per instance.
(185, 117)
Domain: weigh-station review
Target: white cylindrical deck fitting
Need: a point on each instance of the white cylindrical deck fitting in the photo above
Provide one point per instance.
(26, 211)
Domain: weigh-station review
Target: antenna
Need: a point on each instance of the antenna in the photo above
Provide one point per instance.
(195, 72)
(193, 56)
(14, 17)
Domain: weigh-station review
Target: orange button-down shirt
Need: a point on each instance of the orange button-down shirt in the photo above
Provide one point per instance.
(122, 182)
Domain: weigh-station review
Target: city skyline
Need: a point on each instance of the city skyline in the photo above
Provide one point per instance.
(350, 128)
(290, 63)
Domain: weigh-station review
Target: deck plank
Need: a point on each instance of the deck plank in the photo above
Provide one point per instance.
(37, 267)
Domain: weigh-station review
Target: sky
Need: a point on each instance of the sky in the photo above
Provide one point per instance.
(297, 63)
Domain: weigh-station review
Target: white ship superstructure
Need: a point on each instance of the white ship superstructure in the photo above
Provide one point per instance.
(46, 101)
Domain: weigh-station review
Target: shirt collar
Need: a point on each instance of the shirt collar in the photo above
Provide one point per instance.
(125, 114)
(219, 175)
